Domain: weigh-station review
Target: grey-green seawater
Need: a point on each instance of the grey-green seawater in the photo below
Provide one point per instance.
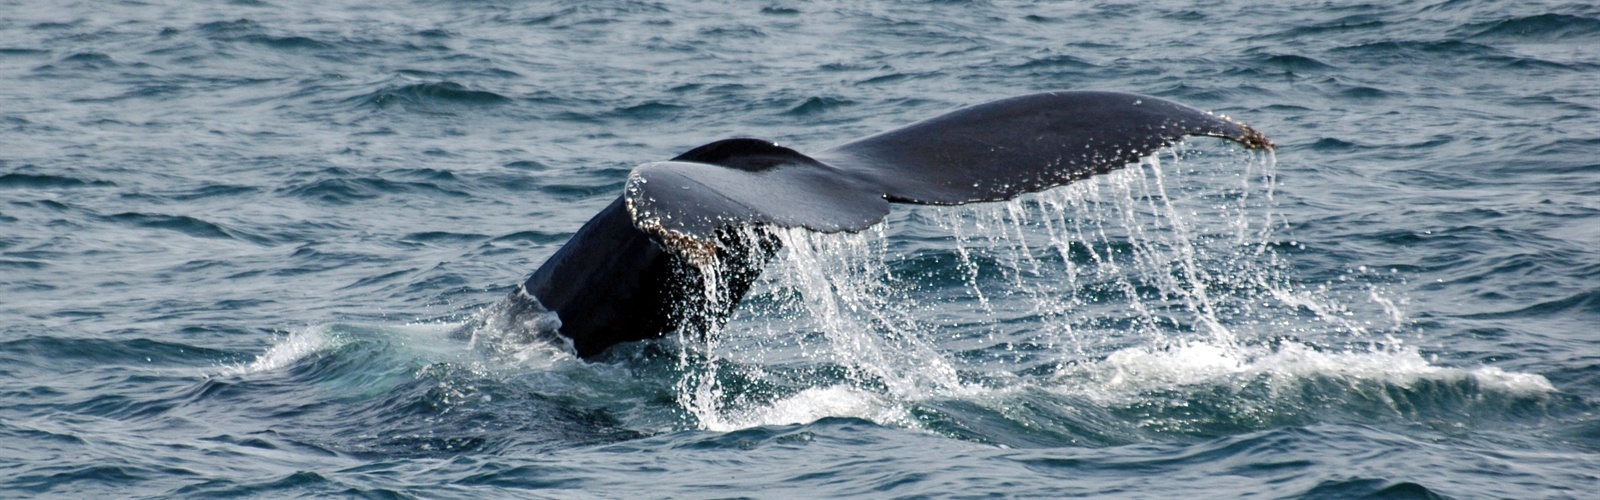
(233, 236)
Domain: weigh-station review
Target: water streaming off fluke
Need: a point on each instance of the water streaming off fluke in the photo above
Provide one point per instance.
(1166, 276)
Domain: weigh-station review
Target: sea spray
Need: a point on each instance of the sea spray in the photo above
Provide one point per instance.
(1150, 278)
(1142, 292)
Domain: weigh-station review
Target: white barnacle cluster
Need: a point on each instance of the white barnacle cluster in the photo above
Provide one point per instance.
(1251, 139)
(699, 251)
(653, 222)
(633, 196)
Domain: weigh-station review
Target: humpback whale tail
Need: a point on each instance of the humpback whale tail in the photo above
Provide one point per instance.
(636, 270)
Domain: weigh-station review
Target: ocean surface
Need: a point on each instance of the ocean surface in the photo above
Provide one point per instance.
(235, 237)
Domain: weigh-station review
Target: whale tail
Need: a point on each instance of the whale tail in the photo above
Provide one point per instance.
(636, 270)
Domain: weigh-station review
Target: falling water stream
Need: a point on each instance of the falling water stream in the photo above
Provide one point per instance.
(1139, 288)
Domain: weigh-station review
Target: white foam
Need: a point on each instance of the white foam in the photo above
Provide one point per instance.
(1130, 372)
(286, 351)
(809, 406)
(521, 340)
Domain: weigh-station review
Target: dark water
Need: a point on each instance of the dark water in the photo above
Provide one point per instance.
(233, 236)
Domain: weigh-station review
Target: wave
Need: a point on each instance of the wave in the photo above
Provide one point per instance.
(1055, 63)
(817, 105)
(293, 348)
(1549, 27)
(248, 31)
(429, 96)
(347, 189)
(1295, 62)
(1405, 49)
(649, 111)
(433, 393)
(181, 223)
(413, 390)
(1581, 304)
(1137, 370)
(46, 181)
(60, 352)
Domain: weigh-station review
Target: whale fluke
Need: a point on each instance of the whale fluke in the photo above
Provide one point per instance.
(988, 152)
(633, 272)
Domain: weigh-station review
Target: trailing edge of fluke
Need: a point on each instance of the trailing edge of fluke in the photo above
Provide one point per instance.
(636, 270)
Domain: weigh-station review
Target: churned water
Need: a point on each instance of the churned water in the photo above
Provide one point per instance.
(234, 237)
